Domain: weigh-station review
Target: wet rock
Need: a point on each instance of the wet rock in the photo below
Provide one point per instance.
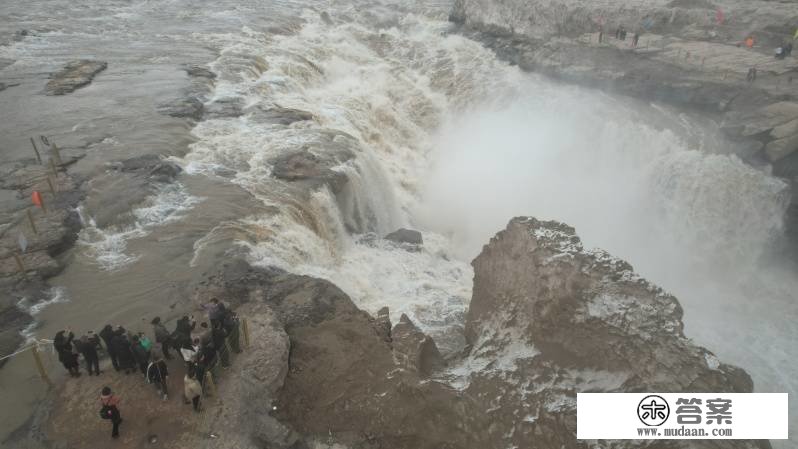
(225, 108)
(196, 71)
(187, 107)
(151, 166)
(313, 169)
(407, 236)
(37, 262)
(413, 350)
(325, 17)
(278, 115)
(780, 149)
(384, 324)
(12, 321)
(73, 76)
(111, 196)
(341, 374)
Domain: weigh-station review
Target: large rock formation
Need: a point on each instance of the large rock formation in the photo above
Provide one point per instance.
(549, 319)
(344, 382)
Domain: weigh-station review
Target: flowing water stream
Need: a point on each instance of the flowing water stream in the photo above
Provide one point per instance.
(448, 140)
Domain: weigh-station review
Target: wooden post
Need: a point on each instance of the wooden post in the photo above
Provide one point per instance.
(211, 387)
(52, 167)
(57, 155)
(50, 183)
(20, 263)
(245, 328)
(32, 223)
(40, 366)
(38, 156)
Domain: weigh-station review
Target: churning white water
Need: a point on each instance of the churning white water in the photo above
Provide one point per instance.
(453, 142)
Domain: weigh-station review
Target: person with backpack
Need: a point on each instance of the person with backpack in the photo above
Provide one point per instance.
(157, 374)
(110, 410)
(162, 336)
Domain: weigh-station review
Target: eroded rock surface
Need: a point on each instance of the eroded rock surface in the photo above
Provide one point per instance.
(73, 76)
(314, 165)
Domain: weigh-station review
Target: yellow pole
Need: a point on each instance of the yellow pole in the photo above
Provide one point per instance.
(245, 328)
(52, 167)
(38, 156)
(50, 183)
(57, 154)
(20, 264)
(40, 366)
(32, 223)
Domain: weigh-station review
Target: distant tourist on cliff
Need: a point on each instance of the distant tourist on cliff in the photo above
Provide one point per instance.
(635, 39)
(107, 334)
(124, 353)
(157, 374)
(231, 326)
(219, 336)
(216, 312)
(110, 410)
(162, 336)
(140, 354)
(751, 76)
(66, 355)
(192, 388)
(182, 334)
(88, 347)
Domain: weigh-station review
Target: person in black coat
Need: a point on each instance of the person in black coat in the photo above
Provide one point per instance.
(219, 335)
(162, 336)
(88, 347)
(63, 346)
(107, 334)
(124, 353)
(181, 337)
(140, 355)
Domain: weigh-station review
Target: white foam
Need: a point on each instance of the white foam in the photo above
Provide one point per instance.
(55, 295)
(108, 247)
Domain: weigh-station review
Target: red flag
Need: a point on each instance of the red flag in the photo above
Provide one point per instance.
(36, 197)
